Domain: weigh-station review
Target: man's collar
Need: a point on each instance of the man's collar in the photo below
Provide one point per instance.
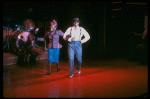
(77, 27)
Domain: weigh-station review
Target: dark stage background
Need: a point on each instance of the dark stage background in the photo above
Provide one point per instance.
(112, 32)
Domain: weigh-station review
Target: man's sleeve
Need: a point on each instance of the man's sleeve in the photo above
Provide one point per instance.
(86, 34)
(67, 33)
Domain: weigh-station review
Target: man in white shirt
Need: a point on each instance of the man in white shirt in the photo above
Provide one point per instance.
(75, 34)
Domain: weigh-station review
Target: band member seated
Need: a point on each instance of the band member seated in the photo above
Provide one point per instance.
(22, 57)
(26, 55)
(21, 44)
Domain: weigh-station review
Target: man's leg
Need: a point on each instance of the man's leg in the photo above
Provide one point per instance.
(26, 59)
(71, 58)
(79, 56)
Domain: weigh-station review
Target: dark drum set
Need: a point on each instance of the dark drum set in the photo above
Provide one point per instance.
(24, 32)
(11, 37)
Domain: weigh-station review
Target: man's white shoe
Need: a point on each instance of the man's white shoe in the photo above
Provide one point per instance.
(71, 75)
(79, 71)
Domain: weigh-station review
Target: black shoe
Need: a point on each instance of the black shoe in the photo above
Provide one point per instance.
(58, 69)
(48, 73)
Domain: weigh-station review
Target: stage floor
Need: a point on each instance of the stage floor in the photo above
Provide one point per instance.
(116, 78)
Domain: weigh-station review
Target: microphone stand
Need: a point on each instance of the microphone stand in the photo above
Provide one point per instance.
(34, 41)
(45, 40)
(7, 37)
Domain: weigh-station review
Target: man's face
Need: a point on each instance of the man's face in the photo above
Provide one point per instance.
(76, 24)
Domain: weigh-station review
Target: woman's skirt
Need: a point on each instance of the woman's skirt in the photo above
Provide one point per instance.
(53, 55)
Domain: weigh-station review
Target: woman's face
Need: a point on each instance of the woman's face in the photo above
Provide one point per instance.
(53, 28)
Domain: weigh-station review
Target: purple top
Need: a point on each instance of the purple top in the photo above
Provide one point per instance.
(54, 40)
